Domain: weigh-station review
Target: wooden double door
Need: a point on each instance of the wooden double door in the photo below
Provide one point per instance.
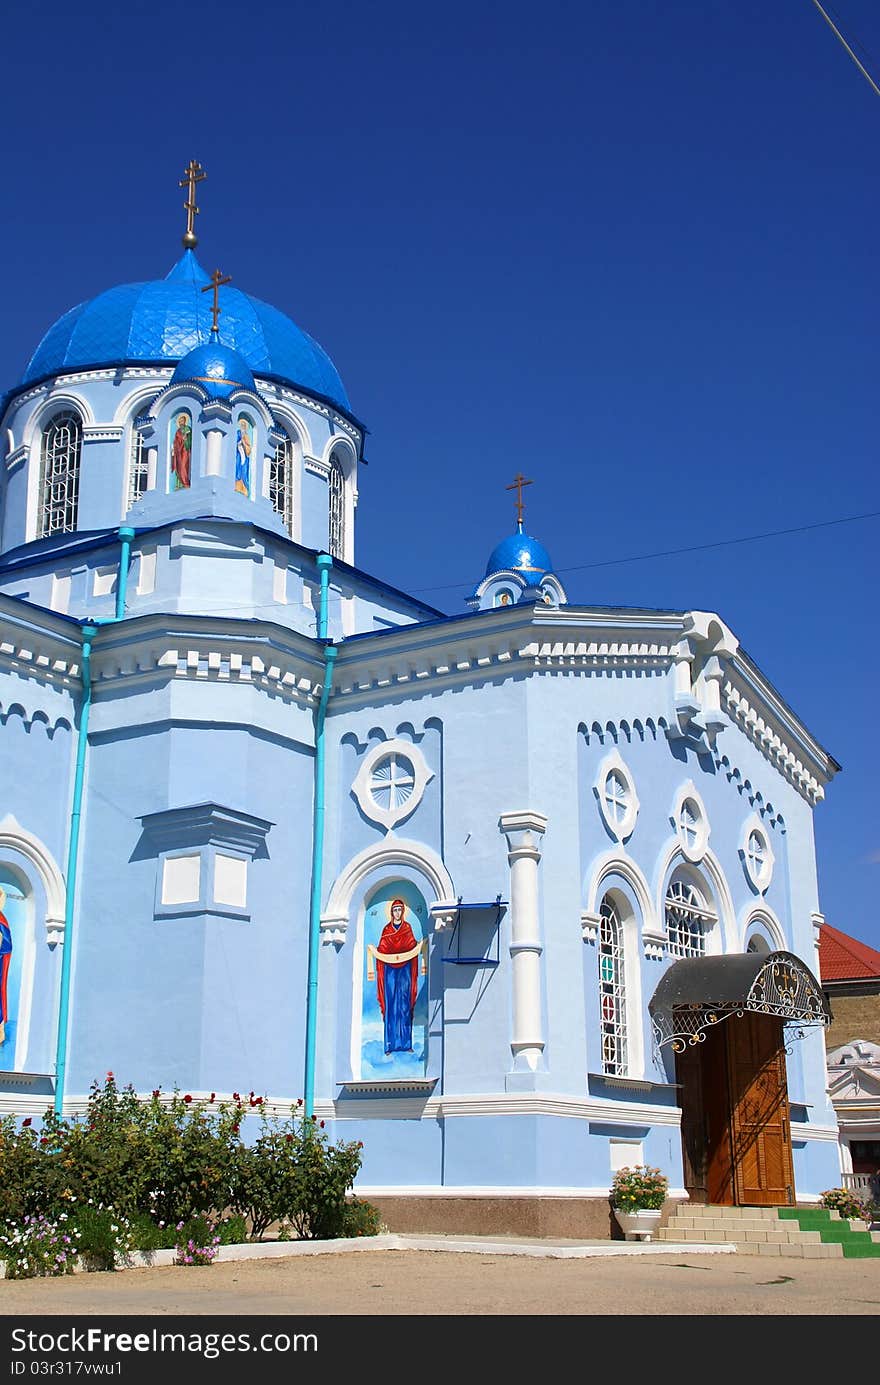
(736, 1135)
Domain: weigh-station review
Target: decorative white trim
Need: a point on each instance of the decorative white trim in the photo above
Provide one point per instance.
(610, 863)
(389, 855)
(724, 937)
(102, 433)
(55, 402)
(687, 795)
(761, 917)
(362, 787)
(514, 1103)
(613, 765)
(16, 838)
(758, 877)
(589, 926)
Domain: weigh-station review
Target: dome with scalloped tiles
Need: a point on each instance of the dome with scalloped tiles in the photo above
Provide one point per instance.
(158, 323)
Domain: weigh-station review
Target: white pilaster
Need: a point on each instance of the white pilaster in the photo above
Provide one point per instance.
(213, 464)
(524, 831)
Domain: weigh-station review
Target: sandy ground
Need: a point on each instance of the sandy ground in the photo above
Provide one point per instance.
(387, 1283)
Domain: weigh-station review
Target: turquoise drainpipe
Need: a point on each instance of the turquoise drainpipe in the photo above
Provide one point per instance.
(89, 630)
(325, 563)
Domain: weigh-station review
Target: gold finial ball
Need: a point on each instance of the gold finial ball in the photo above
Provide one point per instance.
(190, 240)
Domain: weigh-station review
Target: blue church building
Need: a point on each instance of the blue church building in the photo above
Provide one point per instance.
(516, 896)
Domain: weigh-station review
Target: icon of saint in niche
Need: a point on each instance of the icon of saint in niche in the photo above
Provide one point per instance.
(244, 446)
(5, 960)
(397, 977)
(181, 453)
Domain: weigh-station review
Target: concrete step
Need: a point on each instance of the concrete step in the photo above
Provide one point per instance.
(712, 1209)
(764, 1237)
(735, 1226)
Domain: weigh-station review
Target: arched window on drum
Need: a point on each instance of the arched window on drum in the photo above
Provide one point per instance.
(612, 990)
(60, 457)
(336, 487)
(281, 481)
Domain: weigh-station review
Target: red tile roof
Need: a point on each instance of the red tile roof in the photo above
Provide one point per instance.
(842, 958)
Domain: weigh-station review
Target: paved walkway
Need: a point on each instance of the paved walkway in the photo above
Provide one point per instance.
(465, 1276)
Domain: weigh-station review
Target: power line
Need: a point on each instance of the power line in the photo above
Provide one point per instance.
(691, 548)
(833, 27)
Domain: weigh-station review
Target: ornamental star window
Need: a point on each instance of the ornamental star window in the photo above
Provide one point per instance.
(391, 782)
(616, 796)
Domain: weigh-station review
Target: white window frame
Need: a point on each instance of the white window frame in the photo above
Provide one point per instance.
(363, 785)
(613, 768)
(688, 800)
(760, 875)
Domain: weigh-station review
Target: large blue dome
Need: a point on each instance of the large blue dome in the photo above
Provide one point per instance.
(520, 553)
(161, 321)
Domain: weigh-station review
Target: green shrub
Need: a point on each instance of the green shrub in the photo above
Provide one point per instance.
(104, 1236)
(140, 1175)
(360, 1218)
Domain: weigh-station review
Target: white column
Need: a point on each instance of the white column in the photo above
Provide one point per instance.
(152, 467)
(213, 463)
(524, 832)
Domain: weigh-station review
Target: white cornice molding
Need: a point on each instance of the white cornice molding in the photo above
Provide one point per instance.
(35, 653)
(576, 642)
(630, 1113)
(103, 433)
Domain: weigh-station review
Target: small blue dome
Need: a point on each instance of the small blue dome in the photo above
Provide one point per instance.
(215, 367)
(161, 321)
(520, 553)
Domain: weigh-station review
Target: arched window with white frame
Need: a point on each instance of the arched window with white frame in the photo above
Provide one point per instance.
(612, 990)
(336, 500)
(281, 481)
(688, 920)
(60, 457)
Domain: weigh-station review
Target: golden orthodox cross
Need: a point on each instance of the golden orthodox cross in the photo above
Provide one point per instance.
(217, 281)
(192, 174)
(518, 483)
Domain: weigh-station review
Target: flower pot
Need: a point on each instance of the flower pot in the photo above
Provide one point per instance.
(639, 1225)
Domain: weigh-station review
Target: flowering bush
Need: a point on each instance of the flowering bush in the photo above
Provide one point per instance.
(39, 1246)
(134, 1174)
(844, 1201)
(105, 1237)
(639, 1187)
(197, 1243)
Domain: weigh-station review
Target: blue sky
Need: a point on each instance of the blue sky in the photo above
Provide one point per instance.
(628, 248)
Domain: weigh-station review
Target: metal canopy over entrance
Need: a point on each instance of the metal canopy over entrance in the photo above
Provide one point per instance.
(698, 992)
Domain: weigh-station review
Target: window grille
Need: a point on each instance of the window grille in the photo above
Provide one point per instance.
(392, 781)
(617, 797)
(686, 921)
(59, 474)
(336, 538)
(612, 991)
(138, 468)
(281, 483)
